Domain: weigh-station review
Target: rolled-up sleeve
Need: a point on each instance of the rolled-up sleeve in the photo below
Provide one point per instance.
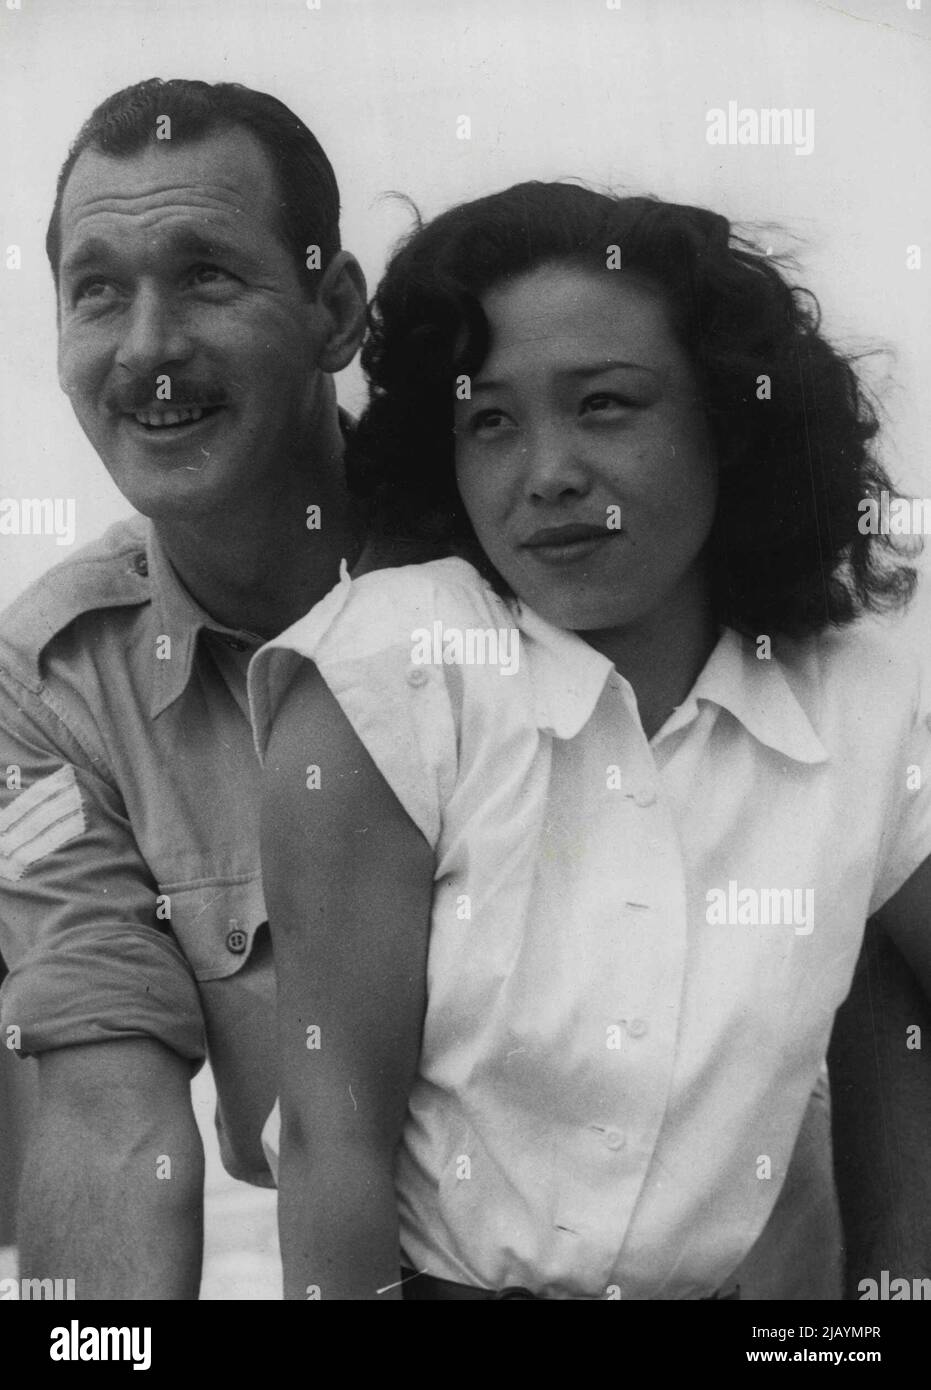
(88, 958)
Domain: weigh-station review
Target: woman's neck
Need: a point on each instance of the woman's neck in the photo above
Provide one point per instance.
(662, 655)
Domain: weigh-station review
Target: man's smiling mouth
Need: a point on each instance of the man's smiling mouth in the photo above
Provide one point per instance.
(168, 419)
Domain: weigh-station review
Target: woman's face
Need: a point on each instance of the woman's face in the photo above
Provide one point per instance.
(582, 457)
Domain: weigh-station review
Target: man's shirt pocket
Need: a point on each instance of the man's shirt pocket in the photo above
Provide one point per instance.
(215, 923)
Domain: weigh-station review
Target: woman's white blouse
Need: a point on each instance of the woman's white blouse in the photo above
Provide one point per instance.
(637, 948)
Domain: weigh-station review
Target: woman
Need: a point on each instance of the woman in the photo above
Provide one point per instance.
(560, 940)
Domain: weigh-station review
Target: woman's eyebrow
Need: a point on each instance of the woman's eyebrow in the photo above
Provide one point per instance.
(581, 372)
(609, 365)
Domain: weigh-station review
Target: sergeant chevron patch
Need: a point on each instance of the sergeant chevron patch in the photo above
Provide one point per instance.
(41, 819)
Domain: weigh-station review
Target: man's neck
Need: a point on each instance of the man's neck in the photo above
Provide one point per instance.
(262, 567)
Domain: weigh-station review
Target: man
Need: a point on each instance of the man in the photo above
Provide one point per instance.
(204, 303)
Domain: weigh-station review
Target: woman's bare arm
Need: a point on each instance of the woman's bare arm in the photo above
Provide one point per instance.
(348, 882)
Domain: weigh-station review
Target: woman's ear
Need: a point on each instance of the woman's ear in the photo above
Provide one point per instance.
(342, 296)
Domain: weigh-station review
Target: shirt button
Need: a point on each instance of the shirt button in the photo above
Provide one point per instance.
(236, 942)
(235, 643)
(637, 1028)
(417, 676)
(141, 565)
(645, 796)
(614, 1138)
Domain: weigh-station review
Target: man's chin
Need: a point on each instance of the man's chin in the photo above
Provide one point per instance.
(183, 490)
(162, 474)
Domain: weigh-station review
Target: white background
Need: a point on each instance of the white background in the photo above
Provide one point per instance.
(553, 88)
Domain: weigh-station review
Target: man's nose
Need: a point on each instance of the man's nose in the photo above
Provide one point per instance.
(555, 467)
(154, 334)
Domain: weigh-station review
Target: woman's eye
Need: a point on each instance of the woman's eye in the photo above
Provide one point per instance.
(603, 401)
(490, 420)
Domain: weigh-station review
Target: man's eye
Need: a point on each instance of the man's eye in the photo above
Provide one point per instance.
(94, 287)
(209, 275)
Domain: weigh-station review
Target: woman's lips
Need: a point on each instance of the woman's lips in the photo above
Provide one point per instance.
(564, 544)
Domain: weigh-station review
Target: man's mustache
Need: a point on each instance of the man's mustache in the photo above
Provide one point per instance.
(133, 396)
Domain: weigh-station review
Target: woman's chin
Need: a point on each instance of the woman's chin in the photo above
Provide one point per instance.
(583, 616)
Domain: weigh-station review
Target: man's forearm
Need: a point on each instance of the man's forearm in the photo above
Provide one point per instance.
(881, 1103)
(112, 1186)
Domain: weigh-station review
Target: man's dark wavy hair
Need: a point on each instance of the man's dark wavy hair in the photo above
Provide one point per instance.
(785, 553)
(125, 124)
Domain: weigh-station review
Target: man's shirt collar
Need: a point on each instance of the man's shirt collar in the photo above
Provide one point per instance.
(178, 621)
(181, 618)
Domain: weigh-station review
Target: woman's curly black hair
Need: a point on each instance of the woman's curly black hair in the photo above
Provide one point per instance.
(785, 552)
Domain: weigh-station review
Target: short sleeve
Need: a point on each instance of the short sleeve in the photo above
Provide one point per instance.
(906, 836)
(368, 639)
(88, 961)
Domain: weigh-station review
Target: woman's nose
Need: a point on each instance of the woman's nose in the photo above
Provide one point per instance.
(555, 468)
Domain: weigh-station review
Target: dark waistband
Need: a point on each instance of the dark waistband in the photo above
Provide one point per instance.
(429, 1287)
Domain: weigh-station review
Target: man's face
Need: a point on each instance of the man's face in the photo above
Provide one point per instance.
(187, 343)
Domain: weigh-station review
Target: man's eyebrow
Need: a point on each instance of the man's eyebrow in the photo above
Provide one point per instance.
(89, 252)
(190, 243)
(183, 243)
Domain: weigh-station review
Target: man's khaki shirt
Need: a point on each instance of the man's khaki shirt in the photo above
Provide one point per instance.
(130, 894)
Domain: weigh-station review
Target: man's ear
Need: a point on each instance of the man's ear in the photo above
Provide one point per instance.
(63, 381)
(341, 294)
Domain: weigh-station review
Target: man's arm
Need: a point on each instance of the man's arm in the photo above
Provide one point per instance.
(112, 1187)
(100, 993)
(880, 1064)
